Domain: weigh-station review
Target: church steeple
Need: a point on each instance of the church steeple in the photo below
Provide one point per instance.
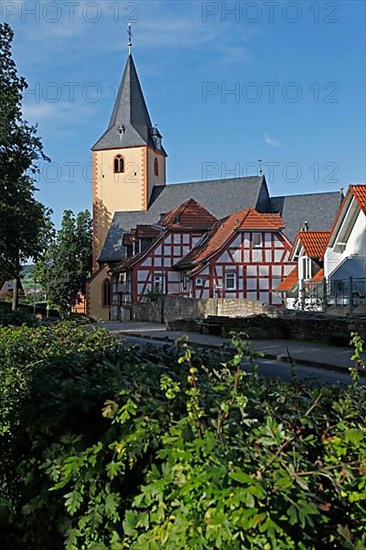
(129, 162)
(130, 123)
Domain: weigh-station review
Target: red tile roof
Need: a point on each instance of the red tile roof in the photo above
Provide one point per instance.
(190, 214)
(147, 232)
(359, 192)
(125, 264)
(288, 282)
(140, 232)
(314, 243)
(224, 229)
(318, 276)
(276, 219)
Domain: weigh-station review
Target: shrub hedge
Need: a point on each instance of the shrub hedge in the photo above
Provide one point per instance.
(108, 446)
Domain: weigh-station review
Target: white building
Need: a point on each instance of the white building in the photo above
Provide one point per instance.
(346, 252)
(331, 270)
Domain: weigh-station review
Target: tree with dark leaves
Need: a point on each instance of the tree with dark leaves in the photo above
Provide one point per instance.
(23, 220)
(65, 267)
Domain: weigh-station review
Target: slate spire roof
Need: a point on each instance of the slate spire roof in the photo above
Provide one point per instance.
(130, 123)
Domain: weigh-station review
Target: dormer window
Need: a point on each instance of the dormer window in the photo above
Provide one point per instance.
(156, 167)
(119, 164)
(257, 240)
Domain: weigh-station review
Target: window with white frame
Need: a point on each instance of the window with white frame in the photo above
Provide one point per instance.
(200, 281)
(257, 240)
(230, 281)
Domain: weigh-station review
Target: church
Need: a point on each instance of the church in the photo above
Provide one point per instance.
(130, 191)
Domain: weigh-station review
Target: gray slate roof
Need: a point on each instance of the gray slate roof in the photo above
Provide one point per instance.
(220, 197)
(318, 209)
(130, 114)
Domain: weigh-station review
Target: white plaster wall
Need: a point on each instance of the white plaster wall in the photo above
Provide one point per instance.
(356, 245)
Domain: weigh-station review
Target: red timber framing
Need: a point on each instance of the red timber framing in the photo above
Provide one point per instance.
(147, 274)
(250, 266)
(151, 271)
(244, 255)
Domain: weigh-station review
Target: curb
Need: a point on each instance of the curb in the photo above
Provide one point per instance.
(282, 358)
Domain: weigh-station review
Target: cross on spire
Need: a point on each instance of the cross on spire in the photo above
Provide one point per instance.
(130, 35)
(260, 162)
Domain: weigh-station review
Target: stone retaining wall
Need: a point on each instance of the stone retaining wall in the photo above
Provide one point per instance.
(305, 326)
(178, 307)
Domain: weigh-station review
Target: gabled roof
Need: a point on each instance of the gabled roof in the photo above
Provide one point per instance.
(130, 123)
(318, 277)
(314, 243)
(190, 214)
(7, 287)
(359, 192)
(129, 262)
(146, 232)
(223, 230)
(219, 197)
(289, 282)
(353, 202)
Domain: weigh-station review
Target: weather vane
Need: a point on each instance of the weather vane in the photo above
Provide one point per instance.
(130, 35)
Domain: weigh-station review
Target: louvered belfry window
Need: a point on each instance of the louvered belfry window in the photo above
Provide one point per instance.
(119, 164)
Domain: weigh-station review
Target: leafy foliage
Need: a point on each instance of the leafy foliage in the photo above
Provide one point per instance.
(110, 447)
(17, 318)
(66, 266)
(24, 220)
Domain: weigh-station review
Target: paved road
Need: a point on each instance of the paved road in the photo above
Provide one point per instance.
(304, 353)
(270, 368)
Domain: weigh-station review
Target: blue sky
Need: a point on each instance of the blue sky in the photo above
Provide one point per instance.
(296, 72)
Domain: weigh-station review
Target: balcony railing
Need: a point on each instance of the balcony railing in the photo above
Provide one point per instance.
(347, 293)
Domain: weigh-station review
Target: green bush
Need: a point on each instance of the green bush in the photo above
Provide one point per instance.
(17, 318)
(53, 383)
(110, 447)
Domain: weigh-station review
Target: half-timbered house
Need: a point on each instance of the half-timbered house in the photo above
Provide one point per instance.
(244, 255)
(130, 188)
(148, 271)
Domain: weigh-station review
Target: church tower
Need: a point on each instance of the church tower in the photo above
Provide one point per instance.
(128, 161)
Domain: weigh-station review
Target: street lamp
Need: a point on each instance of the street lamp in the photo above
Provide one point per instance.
(162, 230)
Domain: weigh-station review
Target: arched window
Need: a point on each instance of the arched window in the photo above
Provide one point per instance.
(119, 164)
(156, 167)
(106, 293)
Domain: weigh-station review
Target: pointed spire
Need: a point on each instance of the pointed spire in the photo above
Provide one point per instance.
(130, 124)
